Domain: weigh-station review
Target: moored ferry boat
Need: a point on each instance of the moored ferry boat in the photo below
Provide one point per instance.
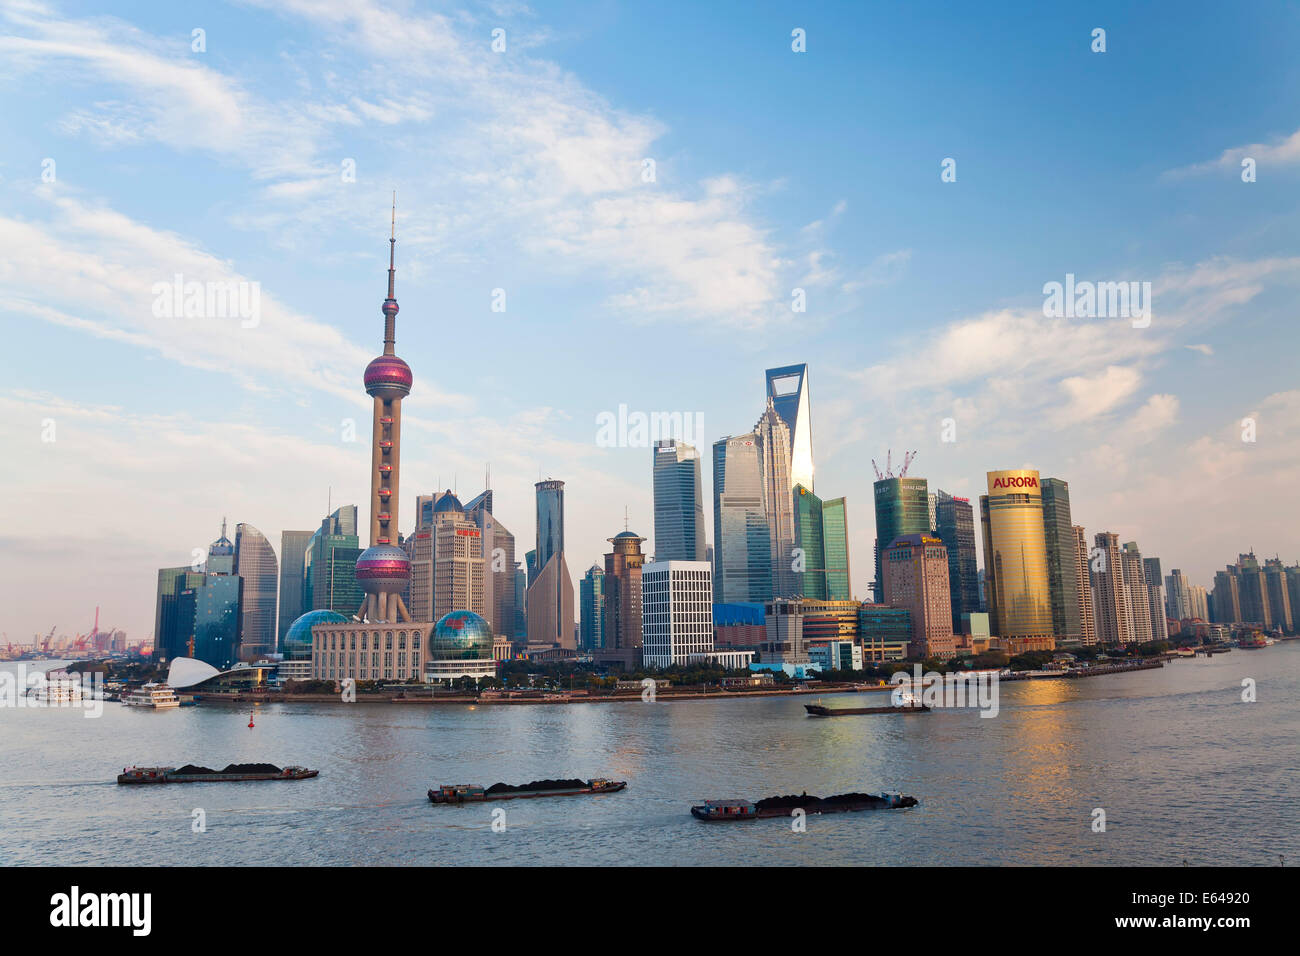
(60, 687)
(157, 696)
(235, 772)
(472, 793)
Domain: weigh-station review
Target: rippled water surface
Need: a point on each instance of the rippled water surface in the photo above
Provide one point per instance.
(1183, 769)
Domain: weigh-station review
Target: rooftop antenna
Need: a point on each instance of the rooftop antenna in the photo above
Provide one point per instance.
(625, 518)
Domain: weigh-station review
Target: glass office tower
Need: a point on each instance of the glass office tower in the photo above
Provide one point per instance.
(330, 566)
(549, 604)
(821, 535)
(550, 521)
(778, 497)
(955, 525)
(679, 503)
(174, 612)
(1015, 556)
(255, 562)
(591, 609)
(742, 549)
(787, 388)
(1062, 561)
(293, 558)
(902, 507)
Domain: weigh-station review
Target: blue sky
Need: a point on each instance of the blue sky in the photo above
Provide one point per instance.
(521, 170)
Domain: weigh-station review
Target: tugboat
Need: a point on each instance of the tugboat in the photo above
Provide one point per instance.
(712, 811)
(235, 772)
(472, 793)
(717, 811)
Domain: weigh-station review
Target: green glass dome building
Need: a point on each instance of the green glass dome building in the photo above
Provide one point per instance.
(461, 646)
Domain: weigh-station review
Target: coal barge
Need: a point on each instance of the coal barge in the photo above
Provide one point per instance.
(234, 773)
(718, 811)
(471, 793)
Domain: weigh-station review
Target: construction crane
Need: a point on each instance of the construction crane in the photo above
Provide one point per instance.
(908, 458)
(45, 644)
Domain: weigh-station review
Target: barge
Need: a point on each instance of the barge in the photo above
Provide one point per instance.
(720, 811)
(234, 773)
(817, 710)
(472, 793)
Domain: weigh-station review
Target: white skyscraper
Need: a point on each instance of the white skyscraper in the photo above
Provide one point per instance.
(676, 611)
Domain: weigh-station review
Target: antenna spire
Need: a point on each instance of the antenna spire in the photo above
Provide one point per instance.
(392, 249)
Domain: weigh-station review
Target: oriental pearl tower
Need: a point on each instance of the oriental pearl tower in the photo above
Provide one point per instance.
(383, 569)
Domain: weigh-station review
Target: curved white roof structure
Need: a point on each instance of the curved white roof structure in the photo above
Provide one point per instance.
(188, 671)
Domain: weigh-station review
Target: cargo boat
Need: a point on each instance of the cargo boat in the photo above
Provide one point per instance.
(235, 772)
(817, 710)
(472, 793)
(721, 811)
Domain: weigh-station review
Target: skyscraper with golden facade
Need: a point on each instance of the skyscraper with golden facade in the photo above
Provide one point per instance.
(1015, 561)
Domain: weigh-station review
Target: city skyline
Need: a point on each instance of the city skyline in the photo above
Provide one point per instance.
(1145, 425)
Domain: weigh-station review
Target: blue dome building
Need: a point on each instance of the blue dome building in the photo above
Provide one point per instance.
(297, 640)
(448, 502)
(461, 646)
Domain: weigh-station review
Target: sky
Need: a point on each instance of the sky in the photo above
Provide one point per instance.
(264, 150)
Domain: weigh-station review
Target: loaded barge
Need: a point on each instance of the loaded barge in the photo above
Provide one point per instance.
(472, 793)
(235, 772)
(719, 811)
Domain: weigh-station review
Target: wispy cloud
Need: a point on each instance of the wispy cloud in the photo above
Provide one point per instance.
(1280, 152)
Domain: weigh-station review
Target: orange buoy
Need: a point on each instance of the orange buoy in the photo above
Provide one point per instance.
(250, 721)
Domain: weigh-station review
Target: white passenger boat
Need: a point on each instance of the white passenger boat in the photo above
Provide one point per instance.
(157, 696)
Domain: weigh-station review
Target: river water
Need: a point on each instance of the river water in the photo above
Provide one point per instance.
(1182, 767)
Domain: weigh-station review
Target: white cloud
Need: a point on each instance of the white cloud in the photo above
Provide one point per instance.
(171, 96)
(1093, 395)
(1280, 152)
(883, 270)
(528, 158)
(94, 269)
